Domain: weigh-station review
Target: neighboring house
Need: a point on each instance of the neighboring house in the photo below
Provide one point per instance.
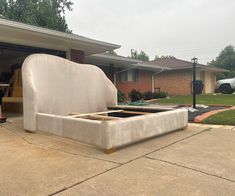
(170, 75)
(178, 80)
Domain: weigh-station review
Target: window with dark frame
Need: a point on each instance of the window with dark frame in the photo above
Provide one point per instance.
(129, 75)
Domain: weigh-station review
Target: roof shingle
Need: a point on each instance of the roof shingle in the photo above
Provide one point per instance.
(175, 63)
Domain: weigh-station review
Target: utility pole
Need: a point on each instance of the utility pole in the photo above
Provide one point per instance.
(194, 61)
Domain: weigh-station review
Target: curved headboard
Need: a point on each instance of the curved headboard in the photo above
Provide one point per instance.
(58, 86)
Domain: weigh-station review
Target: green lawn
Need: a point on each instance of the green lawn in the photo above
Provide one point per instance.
(201, 99)
(222, 118)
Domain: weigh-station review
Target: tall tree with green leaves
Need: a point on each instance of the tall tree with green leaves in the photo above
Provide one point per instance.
(226, 59)
(44, 13)
(140, 56)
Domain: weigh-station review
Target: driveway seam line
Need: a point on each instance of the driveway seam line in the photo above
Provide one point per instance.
(78, 183)
(190, 168)
(177, 141)
(42, 146)
(58, 150)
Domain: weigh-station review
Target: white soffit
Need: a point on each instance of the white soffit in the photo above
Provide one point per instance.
(123, 62)
(111, 58)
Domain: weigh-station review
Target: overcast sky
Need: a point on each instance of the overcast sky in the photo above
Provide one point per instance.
(182, 28)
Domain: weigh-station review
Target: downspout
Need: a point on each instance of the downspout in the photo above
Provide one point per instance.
(153, 79)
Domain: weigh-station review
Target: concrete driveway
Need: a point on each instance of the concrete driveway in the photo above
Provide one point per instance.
(196, 161)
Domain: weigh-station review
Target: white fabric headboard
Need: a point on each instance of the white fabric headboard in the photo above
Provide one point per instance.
(58, 86)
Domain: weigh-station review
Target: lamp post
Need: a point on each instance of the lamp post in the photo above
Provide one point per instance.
(194, 61)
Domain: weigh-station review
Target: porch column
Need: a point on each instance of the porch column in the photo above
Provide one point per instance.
(111, 71)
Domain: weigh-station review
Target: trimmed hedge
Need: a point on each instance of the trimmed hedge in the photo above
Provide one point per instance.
(136, 95)
(156, 95)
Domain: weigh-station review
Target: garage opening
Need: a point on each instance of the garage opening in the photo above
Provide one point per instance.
(11, 59)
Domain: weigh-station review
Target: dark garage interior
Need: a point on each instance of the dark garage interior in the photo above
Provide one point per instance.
(11, 59)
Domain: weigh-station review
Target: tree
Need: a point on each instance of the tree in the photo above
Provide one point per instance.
(220, 76)
(44, 13)
(226, 59)
(140, 56)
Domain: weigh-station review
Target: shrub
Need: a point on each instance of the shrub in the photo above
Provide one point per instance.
(121, 96)
(148, 95)
(161, 94)
(135, 95)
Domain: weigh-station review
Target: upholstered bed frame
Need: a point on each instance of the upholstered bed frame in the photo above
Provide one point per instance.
(78, 101)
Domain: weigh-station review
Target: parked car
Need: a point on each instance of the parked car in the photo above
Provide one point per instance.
(226, 86)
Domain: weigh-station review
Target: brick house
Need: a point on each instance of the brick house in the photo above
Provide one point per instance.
(170, 75)
(178, 80)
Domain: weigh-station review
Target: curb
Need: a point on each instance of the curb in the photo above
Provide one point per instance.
(202, 117)
(215, 105)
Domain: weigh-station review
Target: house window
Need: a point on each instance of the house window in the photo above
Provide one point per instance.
(129, 76)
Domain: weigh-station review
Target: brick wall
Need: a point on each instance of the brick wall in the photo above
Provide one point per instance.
(77, 56)
(143, 84)
(174, 82)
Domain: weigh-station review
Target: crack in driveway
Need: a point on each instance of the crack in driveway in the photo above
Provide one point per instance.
(190, 168)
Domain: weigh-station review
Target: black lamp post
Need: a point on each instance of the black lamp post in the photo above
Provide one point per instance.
(194, 61)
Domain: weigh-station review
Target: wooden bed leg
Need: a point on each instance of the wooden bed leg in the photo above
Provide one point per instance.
(110, 150)
(28, 131)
